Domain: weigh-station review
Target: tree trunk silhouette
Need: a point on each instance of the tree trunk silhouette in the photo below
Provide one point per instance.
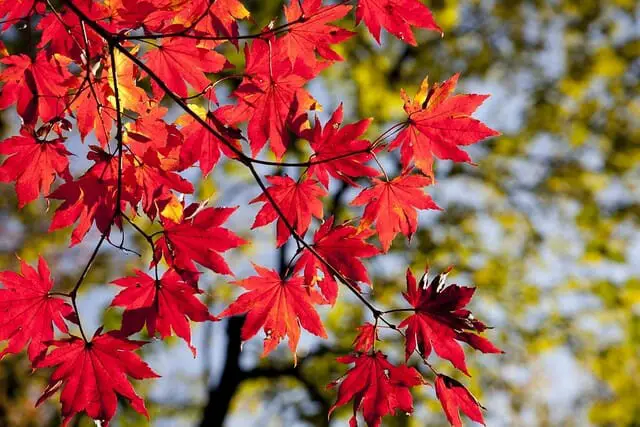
(217, 408)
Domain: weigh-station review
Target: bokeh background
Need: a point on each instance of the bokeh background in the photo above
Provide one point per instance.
(546, 226)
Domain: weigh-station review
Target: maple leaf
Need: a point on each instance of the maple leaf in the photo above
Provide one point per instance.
(91, 113)
(84, 201)
(33, 164)
(219, 18)
(396, 16)
(342, 247)
(277, 306)
(333, 147)
(376, 386)
(271, 96)
(92, 373)
(37, 87)
(197, 237)
(91, 198)
(202, 146)
(309, 31)
(178, 60)
(438, 123)
(151, 133)
(392, 206)
(162, 305)
(440, 319)
(454, 397)
(153, 182)
(223, 17)
(298, 201)
(131, 96)
(60, 32)
(29, 311)
(367, 336)
(150, 15)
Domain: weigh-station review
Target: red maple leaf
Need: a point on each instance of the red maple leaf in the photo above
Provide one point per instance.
(37, 87)
(376, 387)
(223, 17)
(162, 305)
(91, 198)
(454, 397)
(277, 306)
(151, 15)
(85, 200)
(29, 311)
(92, 373)
(219, 18)
(61, 32)
(333, 147)
(367, 336)
(342, 247)
(179, 60)
(271, 96)
(197, 236)
(309, 31)
(202, 146)
(438, 123)
(132, 97)
(150, 132)
(396, 16)
(392, 206)
(152, 181)
(298, 201)
(441, 320)
(33, 164)
(91, 111)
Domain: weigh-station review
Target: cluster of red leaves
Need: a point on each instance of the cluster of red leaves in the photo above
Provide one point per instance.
(93, 73)
(439, 320)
